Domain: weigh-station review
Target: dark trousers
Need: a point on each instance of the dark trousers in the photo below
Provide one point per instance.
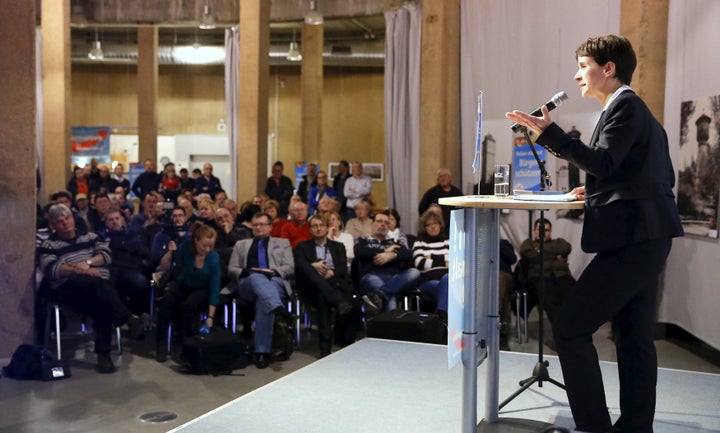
(554, 293)
(180, 305)
(620, 285)
(323, 294)
(97, 299)
(133, 287)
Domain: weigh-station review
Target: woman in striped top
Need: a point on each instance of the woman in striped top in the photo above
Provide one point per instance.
(430, 256)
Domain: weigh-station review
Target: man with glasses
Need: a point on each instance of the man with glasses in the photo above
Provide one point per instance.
(324, 281)
(260, 271)
(383, 267)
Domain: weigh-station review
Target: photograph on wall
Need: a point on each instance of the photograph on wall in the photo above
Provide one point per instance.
(699, 166)
(374, 170)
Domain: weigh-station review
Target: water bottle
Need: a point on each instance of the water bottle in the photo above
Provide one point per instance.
(204, 330)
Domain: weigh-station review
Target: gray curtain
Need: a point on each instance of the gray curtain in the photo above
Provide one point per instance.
(231, 102)
(402, 111)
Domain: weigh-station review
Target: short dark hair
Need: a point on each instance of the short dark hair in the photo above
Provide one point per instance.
(611, 48)
(56, 195)
(395, 214)
(545, 220)
(278, 164)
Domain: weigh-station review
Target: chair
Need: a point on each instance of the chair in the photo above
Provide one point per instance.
(54, 307)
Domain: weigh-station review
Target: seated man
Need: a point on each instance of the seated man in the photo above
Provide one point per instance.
(260, 269)
(297, 230)
(76, 268)
(324, 280)
(557, 276)
(227, 235)
(127, 269)
(383, 267)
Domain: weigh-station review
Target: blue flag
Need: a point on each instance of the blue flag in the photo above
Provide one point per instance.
(478, 137)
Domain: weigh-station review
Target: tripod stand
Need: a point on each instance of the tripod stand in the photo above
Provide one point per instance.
(540, 372)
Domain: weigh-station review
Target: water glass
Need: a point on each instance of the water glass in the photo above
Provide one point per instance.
(502, 180)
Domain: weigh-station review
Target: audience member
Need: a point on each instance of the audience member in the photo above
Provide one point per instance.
(64, 197)
(176, 231)
(128, 266)
(82, 206)
(357, 187)
(220, 197)
(443, 189)
(394, 232)
(324, 280)
(336, 233)
(339, 184)
(146, 216)
(382, 266)
(228, 234)
(195, 283)
(118, 179)
(126, 206)
(431, 253)
(272, 209)
(297, 229)
(79, 184)
(505, 287)
(169, 184)
(96, 215)
(75, 266)
(262, 268)
(557, 277)
(320, 190)
(207, 183)
(147, 181)
(309, 180)
(362, 224)
(280, 188)
(102, 183)
(327, 204)
(206, 212)
(187, 183)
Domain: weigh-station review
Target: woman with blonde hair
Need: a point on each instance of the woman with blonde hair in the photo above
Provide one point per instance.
(196, 282)
(336, 233)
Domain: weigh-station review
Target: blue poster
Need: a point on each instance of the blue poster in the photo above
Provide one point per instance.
(525, 170)
(457, 280)
(90, 142)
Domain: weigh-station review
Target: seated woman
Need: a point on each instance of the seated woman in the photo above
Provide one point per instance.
(430, 257)
(336, 233)
(196, 282)
(394, 232)
(272, 208)
(362, 224)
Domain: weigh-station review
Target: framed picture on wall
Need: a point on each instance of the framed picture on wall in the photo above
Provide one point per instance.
(375, 170)
(333, 168)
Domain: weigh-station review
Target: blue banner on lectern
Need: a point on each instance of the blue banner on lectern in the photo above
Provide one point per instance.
(457, 280)
(525, 170)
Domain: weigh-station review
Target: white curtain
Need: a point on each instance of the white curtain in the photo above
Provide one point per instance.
(402, 111)
(231, 101)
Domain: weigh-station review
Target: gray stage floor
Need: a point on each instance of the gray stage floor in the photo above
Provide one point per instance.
(388, 386)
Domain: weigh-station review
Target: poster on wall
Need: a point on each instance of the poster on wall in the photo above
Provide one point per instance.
(699, 166)
(90, 142)
(526, 171)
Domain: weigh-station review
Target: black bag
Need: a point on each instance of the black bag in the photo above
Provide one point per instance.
(407, 326)
(219, 352)
(30, 362)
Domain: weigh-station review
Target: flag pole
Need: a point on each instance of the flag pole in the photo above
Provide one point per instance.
(478, 143)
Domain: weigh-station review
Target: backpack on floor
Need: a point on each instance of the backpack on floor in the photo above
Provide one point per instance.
(32, 362)
(216, 353)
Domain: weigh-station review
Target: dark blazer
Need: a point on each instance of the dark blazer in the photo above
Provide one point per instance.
(304, 254)
(630, 177)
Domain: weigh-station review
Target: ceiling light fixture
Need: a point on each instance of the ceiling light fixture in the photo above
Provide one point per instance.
(294, 54)
(313, 17)
(96, 52)
(207, 22)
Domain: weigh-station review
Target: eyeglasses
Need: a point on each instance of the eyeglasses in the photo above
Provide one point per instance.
(432, 224)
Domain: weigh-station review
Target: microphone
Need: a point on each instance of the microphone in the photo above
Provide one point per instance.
(555, 101)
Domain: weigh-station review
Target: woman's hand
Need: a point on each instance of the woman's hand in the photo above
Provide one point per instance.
(535, 124)
(579, 192)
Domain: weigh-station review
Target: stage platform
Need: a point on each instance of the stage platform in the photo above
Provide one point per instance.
(396, 387)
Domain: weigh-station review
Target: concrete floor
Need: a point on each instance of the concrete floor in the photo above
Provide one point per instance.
(90, 402)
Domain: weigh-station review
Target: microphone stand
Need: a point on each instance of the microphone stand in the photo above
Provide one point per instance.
(540, 372)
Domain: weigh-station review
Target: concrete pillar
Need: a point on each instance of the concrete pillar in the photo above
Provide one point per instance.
(147, 92)
(253, 82)
(439, 94)
(644, 23)
(56, 169)
(17, 179)
(311, 91)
